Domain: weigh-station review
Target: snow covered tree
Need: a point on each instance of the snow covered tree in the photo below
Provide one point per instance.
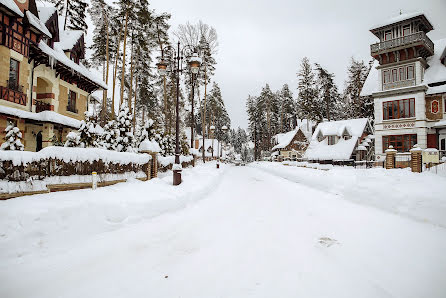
(308, 105)
(357, 106)
(327, 95)
(12, 139)
(287, 109)
(73, 12)
(109, 139)
(73, 139)
(87, 132)
(124, 139)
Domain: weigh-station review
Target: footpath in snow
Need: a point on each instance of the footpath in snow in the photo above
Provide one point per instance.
(47, 223)
(254, 235)
(421, 196)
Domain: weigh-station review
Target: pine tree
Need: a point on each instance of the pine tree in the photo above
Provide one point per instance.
(308, 105)
(124, 139)
(288, 111)
(88, 132)
(357, 106)
(74, 13)
(109, 139)
(12, 139)
(73, 139)
(327, 95)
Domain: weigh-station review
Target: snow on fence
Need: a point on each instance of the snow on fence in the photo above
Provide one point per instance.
(22, 171)
(165, 163)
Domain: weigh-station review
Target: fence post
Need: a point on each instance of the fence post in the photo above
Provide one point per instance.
(390, 158)
(415, 156)
(94, 179)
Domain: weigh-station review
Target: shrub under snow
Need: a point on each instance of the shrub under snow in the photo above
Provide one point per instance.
(12, 139)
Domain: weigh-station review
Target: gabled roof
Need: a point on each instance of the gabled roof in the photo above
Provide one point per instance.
(69, 38)
(343, 149)
(46, 12)
(12, 6)
(37, 23)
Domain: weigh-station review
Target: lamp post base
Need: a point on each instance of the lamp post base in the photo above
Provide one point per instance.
(176, 177)
(218, 165)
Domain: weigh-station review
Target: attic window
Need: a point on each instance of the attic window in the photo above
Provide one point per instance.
(331, 140)
(346, 137)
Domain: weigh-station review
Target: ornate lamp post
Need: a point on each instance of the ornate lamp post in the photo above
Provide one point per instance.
(179, 56)
(194, 64)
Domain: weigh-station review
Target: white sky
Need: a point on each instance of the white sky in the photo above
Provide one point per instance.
(263, 41)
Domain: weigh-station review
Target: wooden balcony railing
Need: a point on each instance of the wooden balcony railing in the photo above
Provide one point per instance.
(13, 94)
(42, 106)
(418, 38)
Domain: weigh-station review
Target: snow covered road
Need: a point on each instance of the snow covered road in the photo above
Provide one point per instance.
(253, 235)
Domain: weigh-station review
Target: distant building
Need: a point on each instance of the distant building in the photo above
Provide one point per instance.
(290, 145)
(44, 88)
(408, 84)
(341, 140)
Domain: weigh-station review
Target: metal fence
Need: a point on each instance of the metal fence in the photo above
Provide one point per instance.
(434, 168)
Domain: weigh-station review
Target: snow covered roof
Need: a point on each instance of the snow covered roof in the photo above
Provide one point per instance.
(37, 23)
(46, 12)
(434, 74)
(343, 149)
(69, 38)
(60, 56)
(45, 116)
(441, 123)
(400, 18)
(284, 139)
(12, 6)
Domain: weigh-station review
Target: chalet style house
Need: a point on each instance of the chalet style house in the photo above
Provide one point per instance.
(292, 145)
(342, 140)
(408, 84)
(44, 89)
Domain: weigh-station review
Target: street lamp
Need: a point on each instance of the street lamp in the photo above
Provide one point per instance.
(176, 67)
(194, 65)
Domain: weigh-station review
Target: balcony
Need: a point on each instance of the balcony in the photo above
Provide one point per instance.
(42, 106)
(13, 93)
(412, 40)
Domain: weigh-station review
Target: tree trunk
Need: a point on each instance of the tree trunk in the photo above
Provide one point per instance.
(66, 16)
(114, 72)
(134, 106)
(131, 77)
(165, 106)
(123, 57)
(107, 57)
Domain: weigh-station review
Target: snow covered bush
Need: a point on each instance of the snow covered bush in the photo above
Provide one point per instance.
(124, 139)
(88, 133)
(110, 135)
(12, 139)
(73, 139)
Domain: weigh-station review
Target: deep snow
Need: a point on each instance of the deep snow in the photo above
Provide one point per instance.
(252, 234)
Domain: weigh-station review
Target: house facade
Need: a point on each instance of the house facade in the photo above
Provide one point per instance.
(44, 88)
(290, 145)
(408, 84)
(342, 140)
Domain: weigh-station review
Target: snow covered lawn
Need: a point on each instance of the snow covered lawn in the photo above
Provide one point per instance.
(419, 196)
(248, 233)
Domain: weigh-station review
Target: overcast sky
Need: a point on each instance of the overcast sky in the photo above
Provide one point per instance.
(263, 41)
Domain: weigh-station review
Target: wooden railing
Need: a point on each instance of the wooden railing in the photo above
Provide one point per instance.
(42, 106)
(414, 38)
(15, 96)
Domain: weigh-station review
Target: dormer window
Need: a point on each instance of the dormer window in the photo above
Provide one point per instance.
(331, 140)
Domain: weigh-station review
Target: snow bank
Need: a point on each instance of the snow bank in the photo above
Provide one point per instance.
(148, 145)
(34, 225)
(400, 191)
(74, 154)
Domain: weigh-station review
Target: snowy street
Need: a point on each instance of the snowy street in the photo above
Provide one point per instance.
(254, 234)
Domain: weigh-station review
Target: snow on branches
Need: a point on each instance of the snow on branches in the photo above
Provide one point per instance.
(12, 139)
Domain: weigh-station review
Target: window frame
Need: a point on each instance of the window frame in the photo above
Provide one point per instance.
(396, 109)
(406, 140)
(17, 75)
(331, 140)
(71, 107)
(404, 28)
(388, 32)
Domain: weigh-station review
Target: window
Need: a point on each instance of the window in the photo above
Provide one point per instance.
(401, 143)
(386, 76)
(397, 109)
(331, 140)
(71, 107)
(402, 77)
(410, 73)
(388, 35)
(395, 75)
(13, 75)
(406, 30)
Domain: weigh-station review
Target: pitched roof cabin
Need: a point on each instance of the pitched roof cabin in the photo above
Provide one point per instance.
(341, 140)
(290, 145)
(44, 88)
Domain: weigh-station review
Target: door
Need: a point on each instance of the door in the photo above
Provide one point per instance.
(39, 141)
